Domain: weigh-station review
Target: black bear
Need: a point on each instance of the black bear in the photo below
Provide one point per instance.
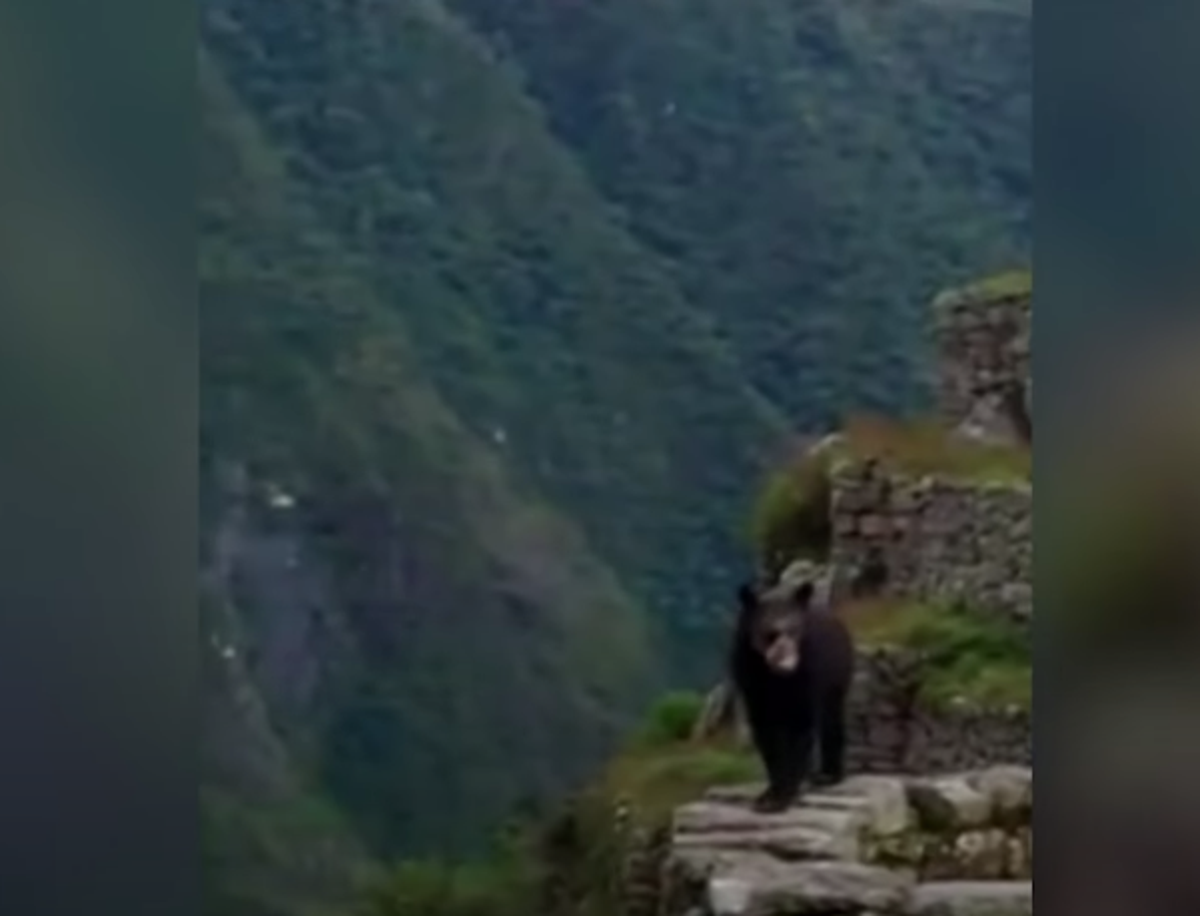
(792, 664)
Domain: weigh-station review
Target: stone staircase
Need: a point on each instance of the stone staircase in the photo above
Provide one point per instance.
(952, 845)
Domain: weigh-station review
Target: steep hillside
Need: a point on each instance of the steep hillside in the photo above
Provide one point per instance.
(811, 169)
(547, 328)
(506, 307)
(415, 623)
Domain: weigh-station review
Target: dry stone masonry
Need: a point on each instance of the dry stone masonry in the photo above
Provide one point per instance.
(942, 540)
(953, 845)
(891, 729)
(954, 540)
(983, 337)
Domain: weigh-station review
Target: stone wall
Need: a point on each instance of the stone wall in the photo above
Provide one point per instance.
(983, 339)
(891, 730)
(937, 539)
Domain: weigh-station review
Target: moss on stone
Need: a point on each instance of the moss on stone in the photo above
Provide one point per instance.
(1009, 284)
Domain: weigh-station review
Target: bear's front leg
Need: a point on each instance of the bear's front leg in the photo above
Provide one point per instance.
(832, 740)
(770, 749)
(790, 753)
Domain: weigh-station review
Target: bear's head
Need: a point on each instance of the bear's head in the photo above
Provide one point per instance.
(772, 622)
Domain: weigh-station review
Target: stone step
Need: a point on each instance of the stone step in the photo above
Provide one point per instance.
(845, 849)
(973, 898)
(892, 803)
(785, 843)
(760, 885)
(881, 802)
(763, 887)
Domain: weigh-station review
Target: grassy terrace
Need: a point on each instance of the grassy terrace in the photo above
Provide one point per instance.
(920, 448)
(984, 659)
(791, 518)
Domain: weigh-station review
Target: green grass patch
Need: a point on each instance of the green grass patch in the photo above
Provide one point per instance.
(653, 782)
(505, 884)
(923, 447)
(662, 767)
(1008, 284)
(980, 657)
(790, 519)
(656, 782)
(670, 720)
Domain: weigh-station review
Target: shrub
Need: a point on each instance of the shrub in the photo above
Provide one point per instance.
(791, 517)
(503, 885)
(671, 719)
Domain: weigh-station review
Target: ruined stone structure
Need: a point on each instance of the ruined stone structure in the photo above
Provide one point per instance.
(892, 729)
(937, 539)
(983, 338)
(937, 820)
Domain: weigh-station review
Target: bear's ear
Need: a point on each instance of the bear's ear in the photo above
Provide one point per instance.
(802, 595)
(747, 597)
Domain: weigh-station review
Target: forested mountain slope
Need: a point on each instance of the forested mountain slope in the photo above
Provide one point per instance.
(506, 307)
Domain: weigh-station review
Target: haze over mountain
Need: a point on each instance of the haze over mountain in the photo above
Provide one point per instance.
(507, 305)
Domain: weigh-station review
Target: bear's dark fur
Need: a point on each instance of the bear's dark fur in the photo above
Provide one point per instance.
(792, 663)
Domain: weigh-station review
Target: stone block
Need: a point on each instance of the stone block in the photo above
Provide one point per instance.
(973, 898)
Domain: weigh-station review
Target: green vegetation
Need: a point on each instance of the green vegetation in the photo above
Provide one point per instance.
(649, 780)
(656, 782)
(792, 514)
(813, 172)
(516, 299)
(287, 856)
(578, 852)
(982, 658)
(791, 517)
(670, 720)
(1006, 285)
(925, 447)
(504, 884)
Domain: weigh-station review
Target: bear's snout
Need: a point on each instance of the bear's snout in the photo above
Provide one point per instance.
(783, 656)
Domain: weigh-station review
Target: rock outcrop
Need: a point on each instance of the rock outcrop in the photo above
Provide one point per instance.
(958, 844)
